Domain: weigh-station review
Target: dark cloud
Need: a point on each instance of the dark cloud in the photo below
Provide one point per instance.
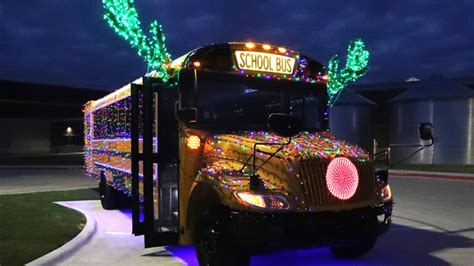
(68, 42)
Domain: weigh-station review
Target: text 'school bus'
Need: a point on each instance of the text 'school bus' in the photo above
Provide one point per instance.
(234, 155)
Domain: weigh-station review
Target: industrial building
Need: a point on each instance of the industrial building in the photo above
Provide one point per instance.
(352, 118)
(38, 118)
(449, 107)
(400, 106)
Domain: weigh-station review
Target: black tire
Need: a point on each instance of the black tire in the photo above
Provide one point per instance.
(364, 242)
(108, 195)
(214, 248)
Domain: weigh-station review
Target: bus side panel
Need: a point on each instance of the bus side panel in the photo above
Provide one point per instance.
(109, 155)
(89, 167)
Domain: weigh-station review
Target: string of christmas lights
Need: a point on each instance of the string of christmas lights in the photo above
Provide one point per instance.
(107, 134)
(122, 16)
(356, 66)
(306, 146)
(226, 154)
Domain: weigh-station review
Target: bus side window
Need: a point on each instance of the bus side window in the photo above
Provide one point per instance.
(113, 121)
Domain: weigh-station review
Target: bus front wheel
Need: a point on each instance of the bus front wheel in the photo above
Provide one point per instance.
(213, 248)
(364, 242)
(108, 195)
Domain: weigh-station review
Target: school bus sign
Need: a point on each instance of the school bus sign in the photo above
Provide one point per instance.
(265, 62)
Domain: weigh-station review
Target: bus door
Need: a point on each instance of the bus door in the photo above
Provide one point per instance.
(154, 137)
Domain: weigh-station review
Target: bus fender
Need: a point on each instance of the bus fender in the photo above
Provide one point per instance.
(204, 206)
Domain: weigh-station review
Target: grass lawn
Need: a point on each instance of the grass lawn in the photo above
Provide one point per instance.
(31, 225)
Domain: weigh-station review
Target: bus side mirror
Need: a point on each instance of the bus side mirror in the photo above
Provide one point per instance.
(284, 125)
(185, 114)
(426, 131)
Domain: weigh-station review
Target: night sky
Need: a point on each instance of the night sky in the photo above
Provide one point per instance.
(67, 42)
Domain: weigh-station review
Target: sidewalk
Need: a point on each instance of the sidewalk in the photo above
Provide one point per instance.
(106, 240)
(436, 175)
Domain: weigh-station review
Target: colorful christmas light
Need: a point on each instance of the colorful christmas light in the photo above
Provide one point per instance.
(306, 146)
(123, 18)
(356, 66)
(108, 148)
(227, 156)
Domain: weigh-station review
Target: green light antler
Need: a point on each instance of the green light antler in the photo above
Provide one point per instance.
(356, 66)
(123, 18)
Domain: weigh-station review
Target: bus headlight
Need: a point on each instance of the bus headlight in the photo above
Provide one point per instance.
(270, 201)
(386, 193)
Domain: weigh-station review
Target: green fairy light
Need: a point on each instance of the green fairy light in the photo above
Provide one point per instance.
(356, 66)
(123, 18)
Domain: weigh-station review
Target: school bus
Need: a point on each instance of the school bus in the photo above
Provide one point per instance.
(234, 155)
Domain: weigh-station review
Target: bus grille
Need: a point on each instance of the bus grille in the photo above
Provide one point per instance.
(313, 175)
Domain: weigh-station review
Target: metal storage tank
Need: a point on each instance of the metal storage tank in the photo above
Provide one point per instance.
(449, 107)
(352, 119)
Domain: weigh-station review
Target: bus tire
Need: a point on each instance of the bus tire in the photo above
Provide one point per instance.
(214, 248)
(363, 243)
(108, 195)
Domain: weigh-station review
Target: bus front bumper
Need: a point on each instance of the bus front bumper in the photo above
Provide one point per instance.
(304, 229)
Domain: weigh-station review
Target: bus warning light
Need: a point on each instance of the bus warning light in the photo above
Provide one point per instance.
(193, 142)
(250, 45)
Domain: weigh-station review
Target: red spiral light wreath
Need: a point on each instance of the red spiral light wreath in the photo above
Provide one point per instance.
(342, 178)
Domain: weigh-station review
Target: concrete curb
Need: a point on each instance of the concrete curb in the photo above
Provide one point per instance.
(435, 175)
(55, 256)
(16, 192)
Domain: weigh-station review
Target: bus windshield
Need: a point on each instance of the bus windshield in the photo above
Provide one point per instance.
(236, 106)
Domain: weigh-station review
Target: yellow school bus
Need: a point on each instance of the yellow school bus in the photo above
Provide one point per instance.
(234, 155)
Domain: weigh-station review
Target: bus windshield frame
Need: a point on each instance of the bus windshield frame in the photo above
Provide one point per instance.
(211, 91)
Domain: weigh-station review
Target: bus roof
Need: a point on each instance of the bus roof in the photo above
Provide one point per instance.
(252, 60)
(257, 60)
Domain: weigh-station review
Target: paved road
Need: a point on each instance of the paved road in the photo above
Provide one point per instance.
(25, 180)
(433, 225)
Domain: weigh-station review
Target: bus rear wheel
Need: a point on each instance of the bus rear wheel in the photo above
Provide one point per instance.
(108, 195)
(213, 248)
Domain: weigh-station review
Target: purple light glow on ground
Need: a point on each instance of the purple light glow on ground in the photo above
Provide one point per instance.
(287, 257)
(112, 241)
(185, 253)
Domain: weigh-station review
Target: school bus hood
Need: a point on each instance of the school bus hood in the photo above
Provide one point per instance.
(226, 154)
(320, 145)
